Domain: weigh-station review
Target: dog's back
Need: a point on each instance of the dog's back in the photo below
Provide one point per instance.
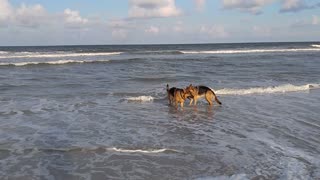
(170, 91)
(202, 90)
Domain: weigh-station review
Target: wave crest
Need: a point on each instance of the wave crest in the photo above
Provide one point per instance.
(315, 45)
(249, 51)
(268, 90)
(58, 62)
(93, 149)
(37, 55)
(140, 98)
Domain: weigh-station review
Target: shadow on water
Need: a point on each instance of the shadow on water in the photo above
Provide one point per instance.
(193, 113)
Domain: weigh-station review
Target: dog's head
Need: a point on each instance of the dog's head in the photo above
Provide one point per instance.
(186, 94)
(191, 90)
(182, 93)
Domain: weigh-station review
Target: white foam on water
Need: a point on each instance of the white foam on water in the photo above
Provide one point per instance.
(268, 90)
(37, 55)
(140, 98)
(233, 177)
(3, 52)
(58, 62)
(139, 150)
(315, 45)
(238, 51)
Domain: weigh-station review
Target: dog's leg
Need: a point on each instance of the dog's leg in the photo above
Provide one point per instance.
(171, 100)
(191, 100)
(209, 97)
(195, 100)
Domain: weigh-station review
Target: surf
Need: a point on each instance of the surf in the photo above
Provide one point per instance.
(315, 45)
(140, 99)
(37, 55)
(58, 62)
(248, 51)
(268, 90)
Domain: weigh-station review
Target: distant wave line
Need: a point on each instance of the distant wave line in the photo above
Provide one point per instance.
(60, 55)
(316, 45)
(141, 150)
(93, 149)
(58, 62)
(3, 52)
(267, 90)
(249, 51)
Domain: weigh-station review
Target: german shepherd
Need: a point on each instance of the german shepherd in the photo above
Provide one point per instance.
(201, 91)
(177, 95)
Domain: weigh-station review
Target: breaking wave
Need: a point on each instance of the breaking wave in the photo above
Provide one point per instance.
(3, 52)
(238, 51)
(268, 90)
(140, 99)
(152, 151)
(58, 62)
(37, 55)
(94, 149)
(315, 45)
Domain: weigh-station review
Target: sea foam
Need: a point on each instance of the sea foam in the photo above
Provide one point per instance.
(238, 51)
(140, 98)
(37, 55)
(268, 90)
(3, 52)
(315, 45)
(139, 150)
(58, 62)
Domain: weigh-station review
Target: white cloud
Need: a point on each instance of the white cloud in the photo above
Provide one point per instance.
(73, 19)
(292, 5)
(33, 16)
(214, 31)
(261, 31)
(251, 6)
(200, 4)
(30, 16)
(119, 34)
(315, 20)
(25, 15)
(5, 10)
(152, 30)
(297, 5)
(152, 8)
(178, 27)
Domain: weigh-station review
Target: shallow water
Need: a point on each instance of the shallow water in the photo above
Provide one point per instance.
(101, 112)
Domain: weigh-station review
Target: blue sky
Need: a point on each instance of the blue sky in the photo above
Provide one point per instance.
(60, 22)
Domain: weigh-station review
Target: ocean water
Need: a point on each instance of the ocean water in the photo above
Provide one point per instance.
(101, 112)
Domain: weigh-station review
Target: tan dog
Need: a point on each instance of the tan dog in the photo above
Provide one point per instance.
(202, 91)
(176, 95)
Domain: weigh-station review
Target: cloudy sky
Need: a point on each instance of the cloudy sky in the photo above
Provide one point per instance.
(61, 22)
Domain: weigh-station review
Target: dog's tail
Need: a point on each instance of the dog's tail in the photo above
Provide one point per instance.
(167, 87)
(215, 97)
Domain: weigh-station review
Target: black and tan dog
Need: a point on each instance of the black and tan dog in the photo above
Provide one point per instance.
(201, 91)
(177, 95)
